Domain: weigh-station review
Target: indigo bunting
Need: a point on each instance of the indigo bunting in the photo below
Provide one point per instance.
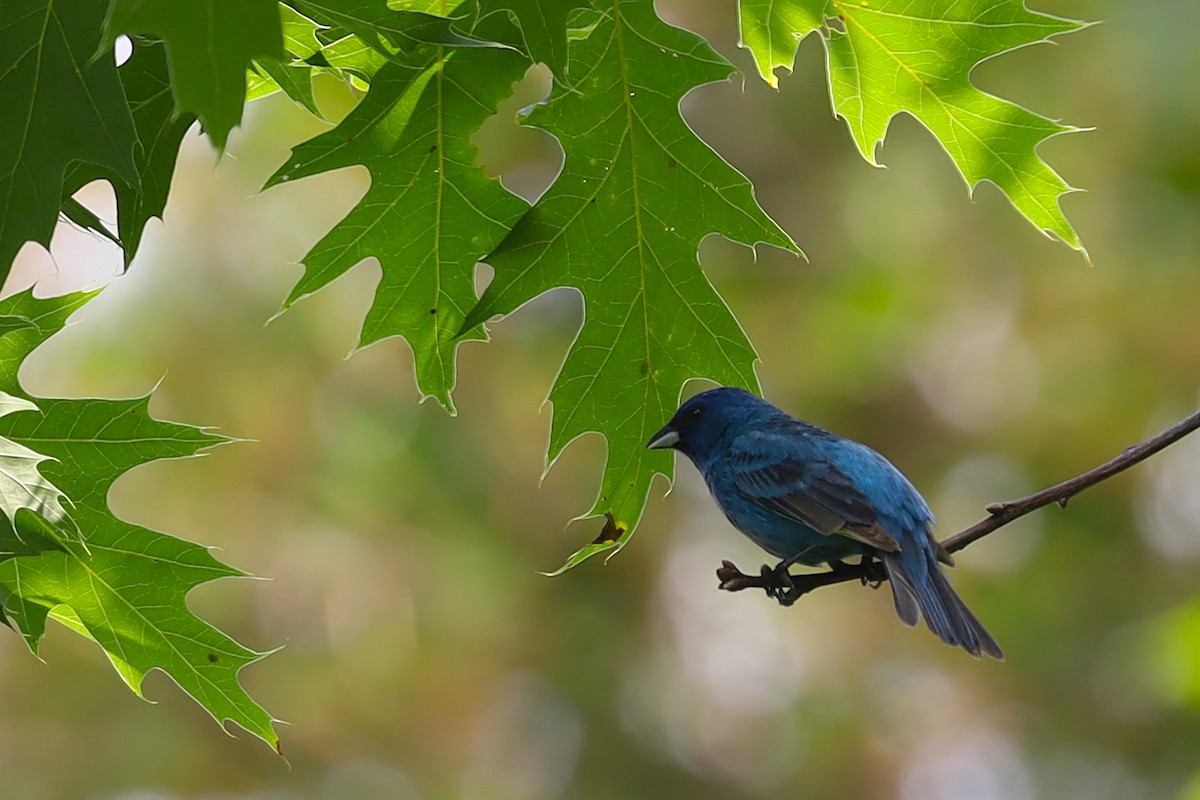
(809, 496)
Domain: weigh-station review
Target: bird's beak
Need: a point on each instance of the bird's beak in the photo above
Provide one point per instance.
(667, 437)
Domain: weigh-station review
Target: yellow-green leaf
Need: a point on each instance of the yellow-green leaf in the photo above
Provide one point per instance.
(888, 57)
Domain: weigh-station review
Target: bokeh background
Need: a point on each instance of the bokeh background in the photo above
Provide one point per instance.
(425, 657)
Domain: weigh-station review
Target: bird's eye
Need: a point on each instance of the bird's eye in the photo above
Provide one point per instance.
(696, 412)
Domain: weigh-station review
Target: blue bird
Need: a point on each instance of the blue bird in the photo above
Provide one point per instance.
(809, 496)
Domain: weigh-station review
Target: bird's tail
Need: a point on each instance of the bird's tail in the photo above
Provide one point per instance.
(921, 589)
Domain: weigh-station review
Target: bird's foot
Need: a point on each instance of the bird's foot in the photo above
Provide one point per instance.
(777, 583)
(873, 572)
(784, 589)
(861, 571)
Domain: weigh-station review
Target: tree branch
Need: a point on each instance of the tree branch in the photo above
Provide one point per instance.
(788, 588)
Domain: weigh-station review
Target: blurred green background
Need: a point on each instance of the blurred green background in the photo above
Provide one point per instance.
(424, 657)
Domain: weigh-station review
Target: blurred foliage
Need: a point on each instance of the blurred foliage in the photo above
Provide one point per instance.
(424, 656)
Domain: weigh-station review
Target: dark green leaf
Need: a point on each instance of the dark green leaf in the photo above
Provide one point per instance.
(430, 214)
(402, 33)
(294, 79)
(543, 28)
(210, 44)
(9, 323)
(291, 74)
(59, 106)
(160, 130)
(622, 225)
(85, 218)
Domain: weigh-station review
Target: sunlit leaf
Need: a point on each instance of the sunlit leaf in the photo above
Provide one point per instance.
(127, 588)
(915, 57)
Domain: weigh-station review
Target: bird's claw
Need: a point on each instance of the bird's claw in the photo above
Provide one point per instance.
(786, 588)
(782, 588)
(776, 583)
(875, 574)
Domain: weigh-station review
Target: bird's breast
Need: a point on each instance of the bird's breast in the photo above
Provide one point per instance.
(780, 536)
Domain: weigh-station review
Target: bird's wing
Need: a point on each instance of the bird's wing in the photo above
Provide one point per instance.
(784, 471)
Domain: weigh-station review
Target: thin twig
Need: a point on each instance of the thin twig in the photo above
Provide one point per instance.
(999, 515)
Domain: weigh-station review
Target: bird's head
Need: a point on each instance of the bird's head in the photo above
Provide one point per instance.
(708, 418)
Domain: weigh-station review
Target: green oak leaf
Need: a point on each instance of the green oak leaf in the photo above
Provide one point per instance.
(295, 80)
(22, 484)
(59, 107)
(889, 57)
(772, 30)
(79, 214)
(299, 33)
(259, 84)
(293, 75)
(349, 54)
(127, 589)
(210, 43)
(159, 129)
(10, 322)
(543, 27)
(430, 213)
(391, 32)
(621, 224)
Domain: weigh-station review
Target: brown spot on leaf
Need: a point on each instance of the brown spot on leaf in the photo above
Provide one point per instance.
(611, 531)
(213, 658)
